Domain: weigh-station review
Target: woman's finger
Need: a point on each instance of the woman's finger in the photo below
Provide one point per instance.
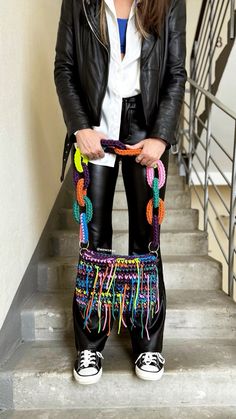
(139, 158)
(140, 144)
(143, 161)
(150, 163)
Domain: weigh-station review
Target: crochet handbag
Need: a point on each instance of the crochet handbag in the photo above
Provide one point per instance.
(114, 284)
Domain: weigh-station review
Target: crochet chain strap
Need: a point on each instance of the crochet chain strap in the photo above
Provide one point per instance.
(83, 208)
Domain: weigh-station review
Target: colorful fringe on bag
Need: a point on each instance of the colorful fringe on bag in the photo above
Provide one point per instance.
(117, 285)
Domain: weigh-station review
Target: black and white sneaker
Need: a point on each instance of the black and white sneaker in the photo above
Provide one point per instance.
(149, 365)
(88, 367)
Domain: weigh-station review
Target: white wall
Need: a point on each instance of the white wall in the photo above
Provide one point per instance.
(31, 134)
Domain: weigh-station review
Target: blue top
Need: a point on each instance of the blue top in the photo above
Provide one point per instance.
(122, 22)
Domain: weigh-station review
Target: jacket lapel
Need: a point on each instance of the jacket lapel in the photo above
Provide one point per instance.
(147, 47)
(92, 9)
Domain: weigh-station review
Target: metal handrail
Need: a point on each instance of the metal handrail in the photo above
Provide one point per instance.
(191, 152)
(199, 26)
(213, 99)
(232, 20)
(215, 25)
(201, 47)
(215, 28)
(210, 24)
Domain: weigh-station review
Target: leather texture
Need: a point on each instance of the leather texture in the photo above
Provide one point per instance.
(101, 192)
(82, 63)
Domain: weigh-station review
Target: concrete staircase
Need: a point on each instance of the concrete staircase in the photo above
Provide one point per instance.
(199, 343)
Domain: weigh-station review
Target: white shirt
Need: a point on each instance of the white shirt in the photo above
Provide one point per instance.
(123, 77)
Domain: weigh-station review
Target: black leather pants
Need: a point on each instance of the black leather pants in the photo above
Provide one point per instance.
(101, 192)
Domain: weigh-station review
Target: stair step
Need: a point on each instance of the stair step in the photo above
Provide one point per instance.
(173, 168)
(66, 242)
(173, 182)
(189, 314)
(176, 219)
(180, 272)
(197, 373)
(175, 199)
(183, 412)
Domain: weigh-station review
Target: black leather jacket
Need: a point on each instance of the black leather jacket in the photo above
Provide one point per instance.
(81, 71)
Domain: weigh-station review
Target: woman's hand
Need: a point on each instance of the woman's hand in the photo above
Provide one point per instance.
(152, 150)
(89, 143)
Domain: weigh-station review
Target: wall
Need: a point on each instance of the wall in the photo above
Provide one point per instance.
(31, 137)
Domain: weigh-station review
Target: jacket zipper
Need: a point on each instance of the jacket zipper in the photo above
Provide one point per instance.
(99, 40)
(91, 27)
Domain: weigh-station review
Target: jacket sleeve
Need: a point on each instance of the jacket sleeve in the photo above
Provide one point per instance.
(172, 91)
(65, 75)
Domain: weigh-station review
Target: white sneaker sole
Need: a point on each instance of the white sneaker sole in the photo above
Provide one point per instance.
(90, 379)
(148, 375)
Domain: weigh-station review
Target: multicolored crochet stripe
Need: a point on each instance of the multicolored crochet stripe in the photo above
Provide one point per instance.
(117, 285)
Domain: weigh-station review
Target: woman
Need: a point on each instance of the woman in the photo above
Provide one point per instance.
(120, 74)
